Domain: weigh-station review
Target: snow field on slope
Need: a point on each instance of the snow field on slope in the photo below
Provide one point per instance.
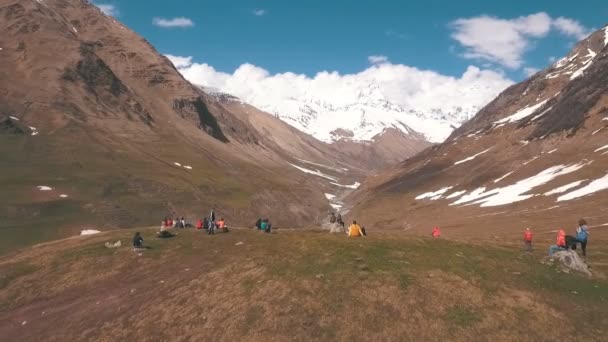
(594, 186)
(432, 195)
(521, 114)
(564, 188)
(519, 190)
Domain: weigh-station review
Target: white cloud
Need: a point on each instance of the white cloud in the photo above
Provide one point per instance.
(571, 28)
(174, 22)
(259, 12)
(108, 9)
(180, 62)
(504, 41)
(528, 71)
(377, 59)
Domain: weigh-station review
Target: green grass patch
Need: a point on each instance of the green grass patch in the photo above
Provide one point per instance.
(14, 272)
(462, 316)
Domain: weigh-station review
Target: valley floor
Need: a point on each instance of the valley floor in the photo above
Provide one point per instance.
(296, 286)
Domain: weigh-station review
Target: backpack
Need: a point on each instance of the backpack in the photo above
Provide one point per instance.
(581, 233)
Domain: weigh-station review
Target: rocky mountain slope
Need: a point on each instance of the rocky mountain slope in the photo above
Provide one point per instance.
(99, 130)
(536, 155)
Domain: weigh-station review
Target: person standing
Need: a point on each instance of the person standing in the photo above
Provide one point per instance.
(528, 240)
(436, 232)
(212, 222)
(582, 233)
(339, 220)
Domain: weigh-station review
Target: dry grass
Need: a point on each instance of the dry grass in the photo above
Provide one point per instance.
(290, 286)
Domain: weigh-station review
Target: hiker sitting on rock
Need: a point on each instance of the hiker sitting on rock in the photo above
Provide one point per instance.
(355, 230)
(560, 243)
(138, 241)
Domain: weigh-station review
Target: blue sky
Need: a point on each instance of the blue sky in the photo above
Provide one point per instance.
(312, 36)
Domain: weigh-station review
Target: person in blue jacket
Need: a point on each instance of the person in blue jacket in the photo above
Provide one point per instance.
(582, 234)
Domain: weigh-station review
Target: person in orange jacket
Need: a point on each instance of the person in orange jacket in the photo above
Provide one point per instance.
(560, 243)
(436, 232)
(199, 224)
(528, 240)
(355, 230)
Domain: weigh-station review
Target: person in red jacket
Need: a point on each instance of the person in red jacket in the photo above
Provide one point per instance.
(436, 232)
(528, 240)
(199, 224)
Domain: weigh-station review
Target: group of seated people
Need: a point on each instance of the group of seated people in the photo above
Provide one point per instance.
(174, 223)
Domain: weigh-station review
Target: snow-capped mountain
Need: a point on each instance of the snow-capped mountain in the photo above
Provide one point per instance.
(368, 113)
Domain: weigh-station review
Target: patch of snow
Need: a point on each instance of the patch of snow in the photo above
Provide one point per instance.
(63, 196)
(586, 65)
(601, 148)
(177, 164)
(529, 161)
(541, 114)
(605, 119)
(456, 194)
(475, 194)
(599, 129)
(89, 232)
(12, 117)
(44, 188)
(503, 177)
(335, 206)
(551, 151)
(330, 196)
(522, 113)
(564, 188)
(515, 192)
(472, 157)
(353, 186)
(74, 29)
(323, 166)
(433, 194)
(605, 35)
(597, 185)
(314, 172)
(34, 130)
(188, 167)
